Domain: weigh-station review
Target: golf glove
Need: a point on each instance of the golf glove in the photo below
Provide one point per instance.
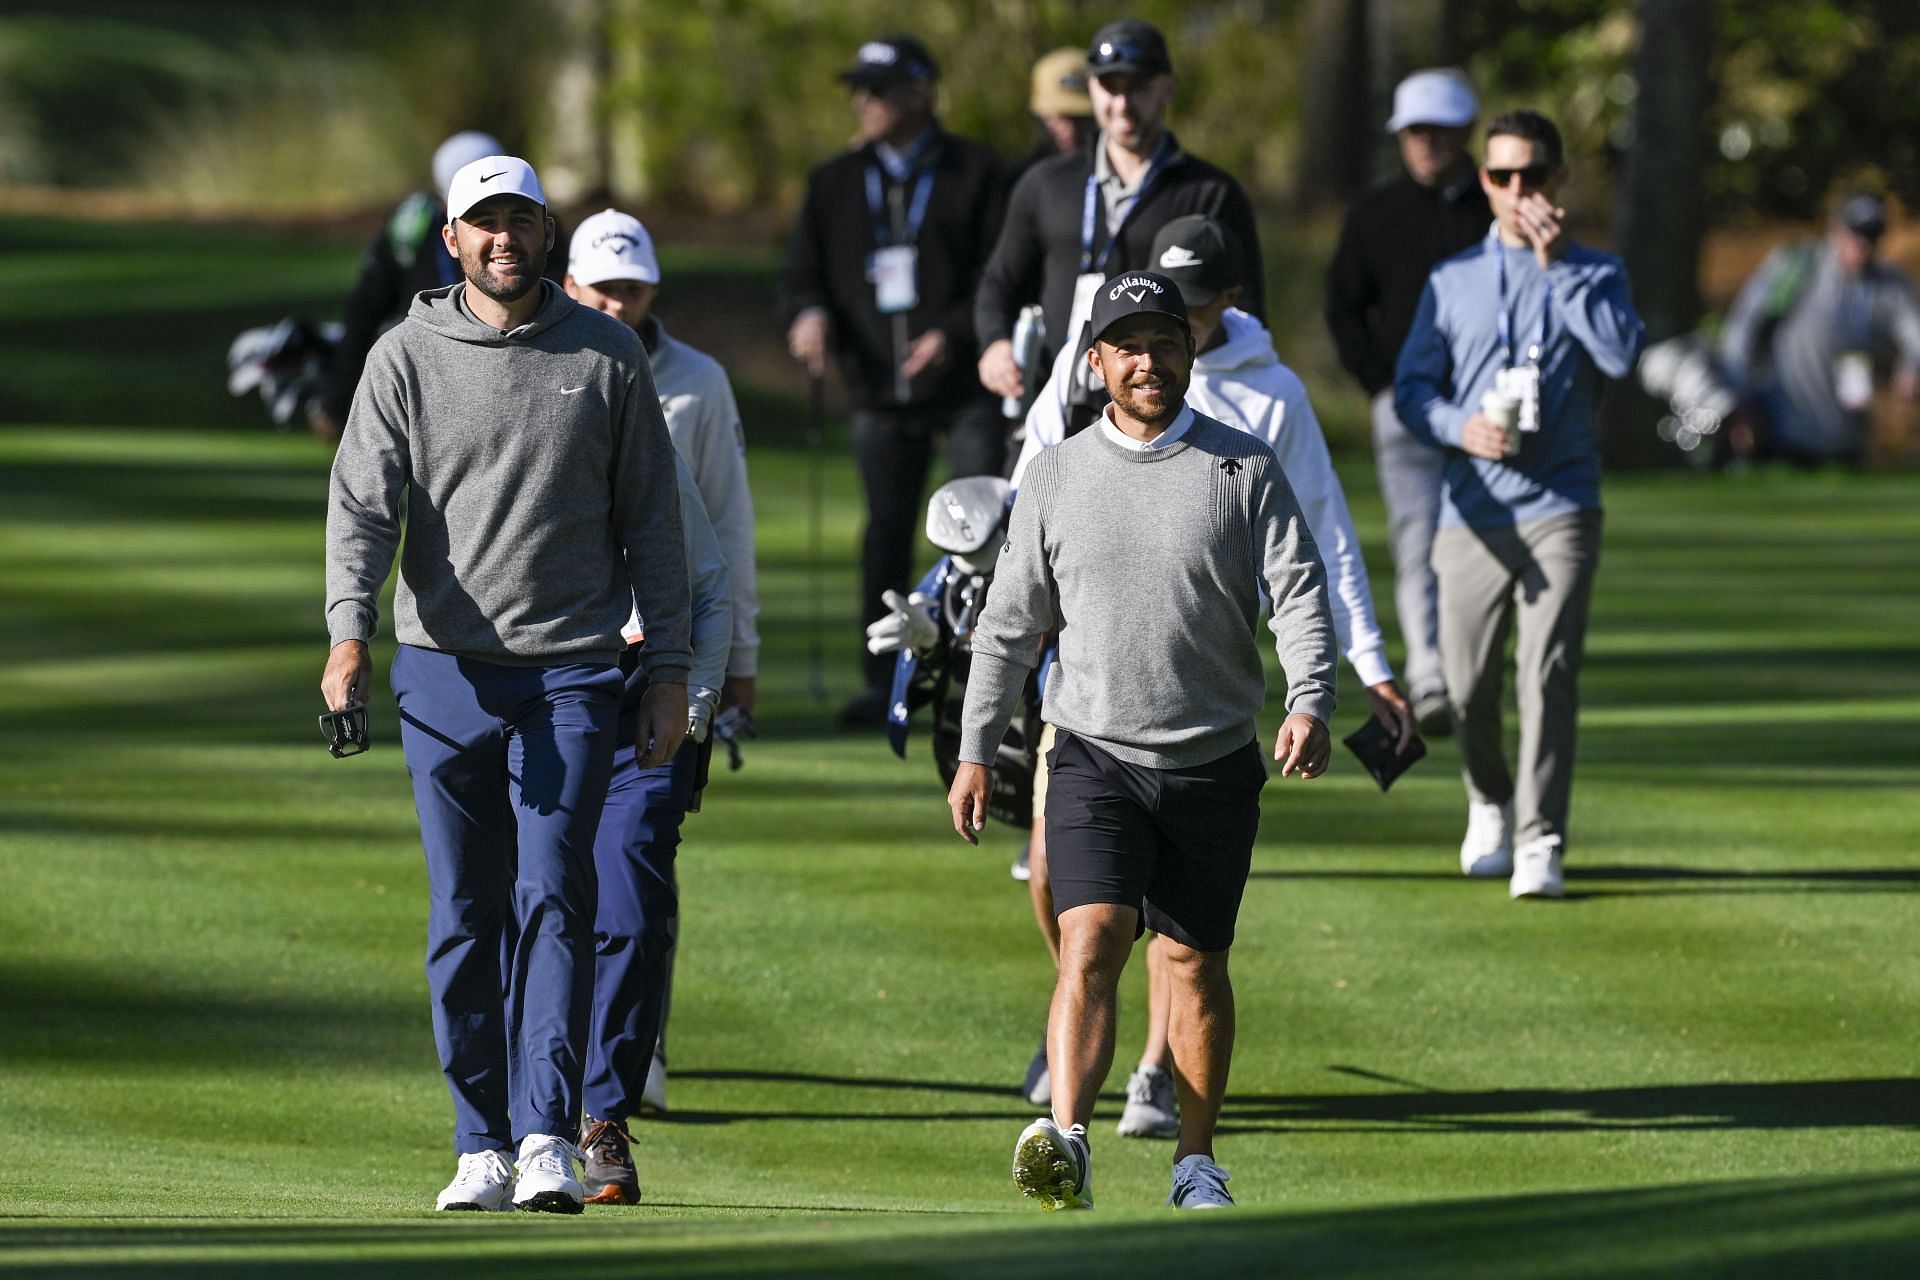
(909, 626)
(701, 702)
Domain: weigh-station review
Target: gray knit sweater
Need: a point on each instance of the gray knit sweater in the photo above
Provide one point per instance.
(1150, 565)
(538, 484)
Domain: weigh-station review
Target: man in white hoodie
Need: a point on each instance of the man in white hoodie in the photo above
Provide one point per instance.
(1239, 380)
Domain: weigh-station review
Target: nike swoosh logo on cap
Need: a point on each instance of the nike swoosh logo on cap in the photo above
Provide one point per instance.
(490, 177)
(1178, 256)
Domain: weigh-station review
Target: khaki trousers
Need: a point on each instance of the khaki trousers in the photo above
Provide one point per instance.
(1534, 580)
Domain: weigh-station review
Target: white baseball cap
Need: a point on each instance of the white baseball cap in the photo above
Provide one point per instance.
(1438, 96)
(490, 176)
(459, 151)
(612, 246)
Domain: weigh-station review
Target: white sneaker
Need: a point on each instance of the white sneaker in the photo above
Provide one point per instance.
(1153, 1108)
(1488, 848)
(653, 1094)
(1536, 870)
(1054, 1165)
(483, 1184)
(1199, 1183)
(547, 1182)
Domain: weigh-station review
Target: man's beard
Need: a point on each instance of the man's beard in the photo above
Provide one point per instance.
(1172, 398)
(481, 275)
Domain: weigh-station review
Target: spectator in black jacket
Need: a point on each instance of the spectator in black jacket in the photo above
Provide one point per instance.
(883, 266)
(406, 258)
(1078, 218)
(1394, 236)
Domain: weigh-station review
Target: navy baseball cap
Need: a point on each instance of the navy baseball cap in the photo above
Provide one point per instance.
(1864, 214)
(1135, 293)
(888, 61)
(1129, 45)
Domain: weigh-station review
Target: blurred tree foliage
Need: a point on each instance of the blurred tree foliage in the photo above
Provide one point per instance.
(727, 102)
(1811, 94)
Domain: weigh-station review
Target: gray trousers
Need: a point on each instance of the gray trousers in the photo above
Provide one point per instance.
(1539, 574)
(1411, 475)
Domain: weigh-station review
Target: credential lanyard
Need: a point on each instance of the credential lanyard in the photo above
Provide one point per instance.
(916, 209)
(1506, 320)
(1087, 261)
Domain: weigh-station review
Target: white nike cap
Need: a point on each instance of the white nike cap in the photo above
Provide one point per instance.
(490, 176)
(1438, 96)
(459, 151)
(612, 246)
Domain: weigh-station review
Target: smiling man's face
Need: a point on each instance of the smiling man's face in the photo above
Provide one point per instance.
(1146, 362)
(502, 244)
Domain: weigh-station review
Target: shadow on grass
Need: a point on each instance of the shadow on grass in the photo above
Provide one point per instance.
(1701, 880)
(1858, 1226)
(1797, 1104)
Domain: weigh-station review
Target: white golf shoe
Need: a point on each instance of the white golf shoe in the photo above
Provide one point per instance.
(1152, 1110)
(1054, 1165)
(1536, 870)
(1199, 1183)
(1487, 850)
(547, 1181)
(483, 1184)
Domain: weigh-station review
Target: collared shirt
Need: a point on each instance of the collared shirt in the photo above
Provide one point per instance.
(900, 164)
(1170, 436)
(1117, 197)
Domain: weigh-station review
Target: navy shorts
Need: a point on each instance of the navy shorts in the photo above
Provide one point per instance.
(1174, 844)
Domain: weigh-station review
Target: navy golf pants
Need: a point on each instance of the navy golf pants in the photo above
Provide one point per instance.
(510, 768)
(634, 929)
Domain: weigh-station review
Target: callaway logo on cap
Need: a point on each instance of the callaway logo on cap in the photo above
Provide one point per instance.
(1137, 293)
(1178, 256)
(1135, 287)
(612, 246)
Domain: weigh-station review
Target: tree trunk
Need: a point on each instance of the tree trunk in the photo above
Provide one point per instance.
(1403, 36)
(1336, 127)
(1661, 212)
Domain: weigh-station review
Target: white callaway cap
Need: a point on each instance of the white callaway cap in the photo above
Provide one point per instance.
(459, 151)
(490, 176)
(1439, 97)
(612, 246)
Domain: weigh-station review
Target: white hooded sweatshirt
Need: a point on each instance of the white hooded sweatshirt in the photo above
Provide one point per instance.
(1242, 383)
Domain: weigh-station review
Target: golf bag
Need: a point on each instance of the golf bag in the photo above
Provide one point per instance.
(286, 363)
(967, 520)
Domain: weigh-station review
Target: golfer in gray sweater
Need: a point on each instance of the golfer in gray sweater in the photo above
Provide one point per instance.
(1144, 542)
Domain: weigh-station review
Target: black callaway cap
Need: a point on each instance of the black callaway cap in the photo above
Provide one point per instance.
(890, 60)
(1129, 45)
(1135, 293)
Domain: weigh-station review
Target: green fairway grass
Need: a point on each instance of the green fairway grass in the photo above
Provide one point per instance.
(216, 1058)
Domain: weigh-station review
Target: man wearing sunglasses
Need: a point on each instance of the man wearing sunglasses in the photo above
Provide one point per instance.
(1393, 237)
(1079, 218)
(1501, 370)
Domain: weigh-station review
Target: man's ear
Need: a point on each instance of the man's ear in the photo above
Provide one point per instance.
(453, 245)
(552, 230)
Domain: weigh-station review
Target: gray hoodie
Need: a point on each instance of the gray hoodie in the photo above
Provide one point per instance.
(539, 489)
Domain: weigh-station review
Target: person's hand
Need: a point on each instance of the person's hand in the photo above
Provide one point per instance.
(739, 691)
(701, 702)
(1000, 372)
(1545, 226)
(908, 626)
(1303, 745)
(1482, 437)
(807, 339)
(968, 800)
(349, 673)
(927, 350)
(660, 725)
(324, 426)
(1389, 707)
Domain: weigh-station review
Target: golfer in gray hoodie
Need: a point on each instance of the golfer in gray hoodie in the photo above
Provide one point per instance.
(521, 434)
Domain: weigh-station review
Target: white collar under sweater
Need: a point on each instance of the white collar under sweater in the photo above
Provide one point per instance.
(1181, 425)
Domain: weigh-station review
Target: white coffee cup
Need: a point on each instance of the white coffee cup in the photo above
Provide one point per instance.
(1505, 411)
